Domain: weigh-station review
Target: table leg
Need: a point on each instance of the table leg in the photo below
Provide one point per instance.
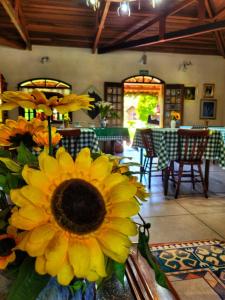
(207, 166)
(141, 160)
(166, 173)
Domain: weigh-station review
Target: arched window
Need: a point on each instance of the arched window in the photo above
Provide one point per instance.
(44, 85)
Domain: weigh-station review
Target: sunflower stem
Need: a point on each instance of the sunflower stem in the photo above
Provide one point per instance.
(50, 136)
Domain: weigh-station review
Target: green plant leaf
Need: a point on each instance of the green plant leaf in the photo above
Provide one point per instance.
(25, 156)
(143, 247)
(5, 153)
(119, 271)
(11, 164)
(28, 283)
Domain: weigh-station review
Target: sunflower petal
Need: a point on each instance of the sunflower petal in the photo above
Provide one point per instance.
(46, 109)
(65, 274)
(97, 261)
(114, 179)
(123, 225)
(39, 239)
(83, 160)
(66, 162)
(40, 265)
(36, 178)
(100, 168)
(48, 165)
(79, 257)
(114, 243)
(8, 106)
(122, 192)
(32, 195)
(124, 209)
(18, 198)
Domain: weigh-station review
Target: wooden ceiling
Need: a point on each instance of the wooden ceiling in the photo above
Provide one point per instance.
(180, 26)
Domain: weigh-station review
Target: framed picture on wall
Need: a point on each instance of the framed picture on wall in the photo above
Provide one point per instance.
(208, 90)
(208, 109)
(190, 92)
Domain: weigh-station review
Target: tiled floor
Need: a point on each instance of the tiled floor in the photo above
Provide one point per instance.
(191, 216)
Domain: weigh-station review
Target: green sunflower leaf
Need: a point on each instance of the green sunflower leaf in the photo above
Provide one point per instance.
(5, 153)
(25, 156)
(143, 247)
(11, 164)
(28, 283)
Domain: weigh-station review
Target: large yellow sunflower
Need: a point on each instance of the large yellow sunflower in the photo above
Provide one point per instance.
(38, 100)
(13, 132)
(74, 215)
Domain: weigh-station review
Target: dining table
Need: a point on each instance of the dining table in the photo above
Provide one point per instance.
(108, 136)
(165, 143)
(87, 138)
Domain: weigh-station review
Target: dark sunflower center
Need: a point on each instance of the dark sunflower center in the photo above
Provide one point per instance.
(26, 138)
(78, 206)
(6, 246)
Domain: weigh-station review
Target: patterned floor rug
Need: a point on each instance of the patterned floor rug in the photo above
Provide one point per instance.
(195, 269)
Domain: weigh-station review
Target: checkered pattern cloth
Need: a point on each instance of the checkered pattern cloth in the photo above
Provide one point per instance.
(112, 134)
(166, 145)
(87, 138)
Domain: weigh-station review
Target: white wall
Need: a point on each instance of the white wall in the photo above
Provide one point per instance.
(81, 68)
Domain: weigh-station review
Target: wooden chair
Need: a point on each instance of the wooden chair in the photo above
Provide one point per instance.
(69, 140)
(191, 147)
(147, 141)
(199, 127)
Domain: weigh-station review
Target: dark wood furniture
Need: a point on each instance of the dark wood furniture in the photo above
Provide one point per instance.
(146, 136)
(113, 93)
(68, 134)
(173, 101)
(141, 279)
(191, 147)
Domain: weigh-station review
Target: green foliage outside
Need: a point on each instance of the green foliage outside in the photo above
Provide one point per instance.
(146, 106)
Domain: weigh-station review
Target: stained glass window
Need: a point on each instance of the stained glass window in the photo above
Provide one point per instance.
(44, 85)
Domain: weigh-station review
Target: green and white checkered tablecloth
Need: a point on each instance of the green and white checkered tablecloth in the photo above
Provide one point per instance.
(166, 143)
(112, 134)
(87, 138)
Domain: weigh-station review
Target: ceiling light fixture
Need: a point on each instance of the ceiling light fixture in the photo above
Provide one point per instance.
(93, 3)
(124, 5)
(124, 8)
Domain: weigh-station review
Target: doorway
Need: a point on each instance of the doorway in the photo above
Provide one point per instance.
(142, 102)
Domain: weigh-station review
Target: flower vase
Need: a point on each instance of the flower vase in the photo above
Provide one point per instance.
(66, 124)
(173, 124)
(103, 122)
(54, 291)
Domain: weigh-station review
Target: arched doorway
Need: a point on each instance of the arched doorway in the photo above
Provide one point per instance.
(142, 102)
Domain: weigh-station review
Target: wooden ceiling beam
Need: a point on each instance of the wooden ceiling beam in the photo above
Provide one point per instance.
(168, 37)
(101, 25)
(134, 30)
(220, 14)
(219, 39)
(11, 44)
(16, 21)
(201, 9)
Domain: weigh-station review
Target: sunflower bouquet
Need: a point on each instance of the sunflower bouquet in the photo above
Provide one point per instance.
(65, 223)
(175, 115)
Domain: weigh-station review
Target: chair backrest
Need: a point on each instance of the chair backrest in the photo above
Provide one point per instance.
(199, 127)
(69, 132)
(69, 140)
(147, 141)
(192, 144)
